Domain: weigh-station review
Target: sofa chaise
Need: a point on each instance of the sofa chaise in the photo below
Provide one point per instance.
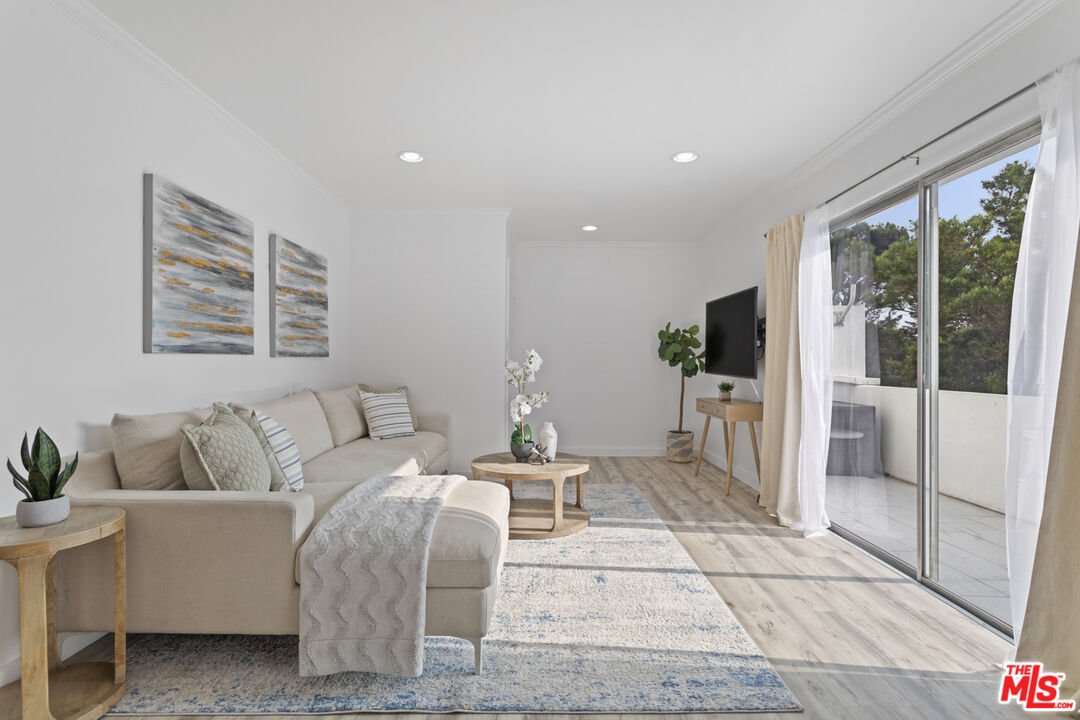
(227, 562)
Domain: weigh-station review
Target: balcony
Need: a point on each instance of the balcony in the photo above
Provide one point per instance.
(879, 502)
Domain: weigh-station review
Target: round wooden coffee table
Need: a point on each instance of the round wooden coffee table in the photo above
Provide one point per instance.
(538, 519)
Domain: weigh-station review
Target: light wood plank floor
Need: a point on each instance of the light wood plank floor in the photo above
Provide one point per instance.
(853, 639)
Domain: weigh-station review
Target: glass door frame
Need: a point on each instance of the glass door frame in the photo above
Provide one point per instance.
(927, 388)
(928, 338)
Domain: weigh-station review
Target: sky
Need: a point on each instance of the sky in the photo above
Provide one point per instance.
(959, 197)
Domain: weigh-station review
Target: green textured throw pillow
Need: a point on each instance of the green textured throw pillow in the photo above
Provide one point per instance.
(223, 454)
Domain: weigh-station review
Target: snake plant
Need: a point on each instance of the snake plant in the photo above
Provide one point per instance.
(44, 479)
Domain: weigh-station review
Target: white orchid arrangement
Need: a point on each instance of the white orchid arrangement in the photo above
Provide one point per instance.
(522, 404)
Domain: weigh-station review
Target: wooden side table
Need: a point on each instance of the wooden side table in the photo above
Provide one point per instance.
(537, 519)
(50, 690)
(730, 412)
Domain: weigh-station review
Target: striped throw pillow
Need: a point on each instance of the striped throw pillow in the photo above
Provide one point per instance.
(285, 450)
(388, 414)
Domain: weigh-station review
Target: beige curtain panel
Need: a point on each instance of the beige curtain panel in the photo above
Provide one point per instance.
(783, 373)
(1051, 633)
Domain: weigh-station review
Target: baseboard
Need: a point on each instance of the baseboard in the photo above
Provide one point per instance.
(9, 672)
(616, 451)
(746, 475)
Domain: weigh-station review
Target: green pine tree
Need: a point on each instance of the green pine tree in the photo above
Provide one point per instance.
(977, 271)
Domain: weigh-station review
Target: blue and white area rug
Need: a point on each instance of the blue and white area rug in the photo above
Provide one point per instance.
(614, 619)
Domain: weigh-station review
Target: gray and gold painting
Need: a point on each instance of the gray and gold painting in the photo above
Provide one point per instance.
(299, 317)
(199, 294)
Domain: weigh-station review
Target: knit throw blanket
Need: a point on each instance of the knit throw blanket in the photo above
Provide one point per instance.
(363, 578)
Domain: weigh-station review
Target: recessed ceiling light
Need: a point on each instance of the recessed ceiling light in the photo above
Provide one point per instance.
(589, 228)
(684, 156)
(410, 156)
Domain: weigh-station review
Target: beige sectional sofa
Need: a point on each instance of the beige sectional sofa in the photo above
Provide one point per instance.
(227, 562)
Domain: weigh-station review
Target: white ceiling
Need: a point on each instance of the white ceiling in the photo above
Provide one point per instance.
(565, 111)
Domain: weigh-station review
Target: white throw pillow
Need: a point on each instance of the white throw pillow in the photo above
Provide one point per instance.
(387, 414)
(284, 447)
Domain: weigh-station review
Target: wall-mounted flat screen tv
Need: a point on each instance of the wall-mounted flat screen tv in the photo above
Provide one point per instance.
(731, 335)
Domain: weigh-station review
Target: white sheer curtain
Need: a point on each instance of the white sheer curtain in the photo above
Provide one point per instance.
(815, 354)
(1040, 307)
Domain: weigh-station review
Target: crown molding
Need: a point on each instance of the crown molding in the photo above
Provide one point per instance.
(100, 26)
(980, 44)
(998, 31)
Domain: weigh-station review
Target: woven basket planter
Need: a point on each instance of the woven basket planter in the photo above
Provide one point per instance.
(680, 446)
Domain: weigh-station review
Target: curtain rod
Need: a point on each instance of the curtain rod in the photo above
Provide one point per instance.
(914, 153)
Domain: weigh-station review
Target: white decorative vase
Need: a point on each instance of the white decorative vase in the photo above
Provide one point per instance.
(44, 512)
(549, 439)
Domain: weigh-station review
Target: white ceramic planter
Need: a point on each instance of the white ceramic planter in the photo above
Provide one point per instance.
(41, 513)
(549, 439)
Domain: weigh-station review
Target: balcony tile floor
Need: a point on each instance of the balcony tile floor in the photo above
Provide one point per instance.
(971, 550)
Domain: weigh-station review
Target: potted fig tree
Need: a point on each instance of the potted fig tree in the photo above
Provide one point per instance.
(43, 485)
(679, 348)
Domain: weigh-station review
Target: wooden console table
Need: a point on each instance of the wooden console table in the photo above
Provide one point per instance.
(50, 690)
(730, 412)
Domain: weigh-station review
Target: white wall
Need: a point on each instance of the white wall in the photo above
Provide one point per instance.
(82, 123)
(734, 256)
(592, 312)
(429, 311)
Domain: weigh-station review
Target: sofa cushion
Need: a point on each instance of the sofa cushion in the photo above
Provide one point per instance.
(301, 414)
(344, 413)
(195, 475)
(365, 458)
(423, 447)
(147, 449)
(470, 534)
(324, 495)
(224, 454)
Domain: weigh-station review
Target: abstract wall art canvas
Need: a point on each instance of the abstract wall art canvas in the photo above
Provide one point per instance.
(199, 274)
(299, 310)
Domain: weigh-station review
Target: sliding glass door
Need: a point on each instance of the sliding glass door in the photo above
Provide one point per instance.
(980, 220)
(923, 286)
(871, 489)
